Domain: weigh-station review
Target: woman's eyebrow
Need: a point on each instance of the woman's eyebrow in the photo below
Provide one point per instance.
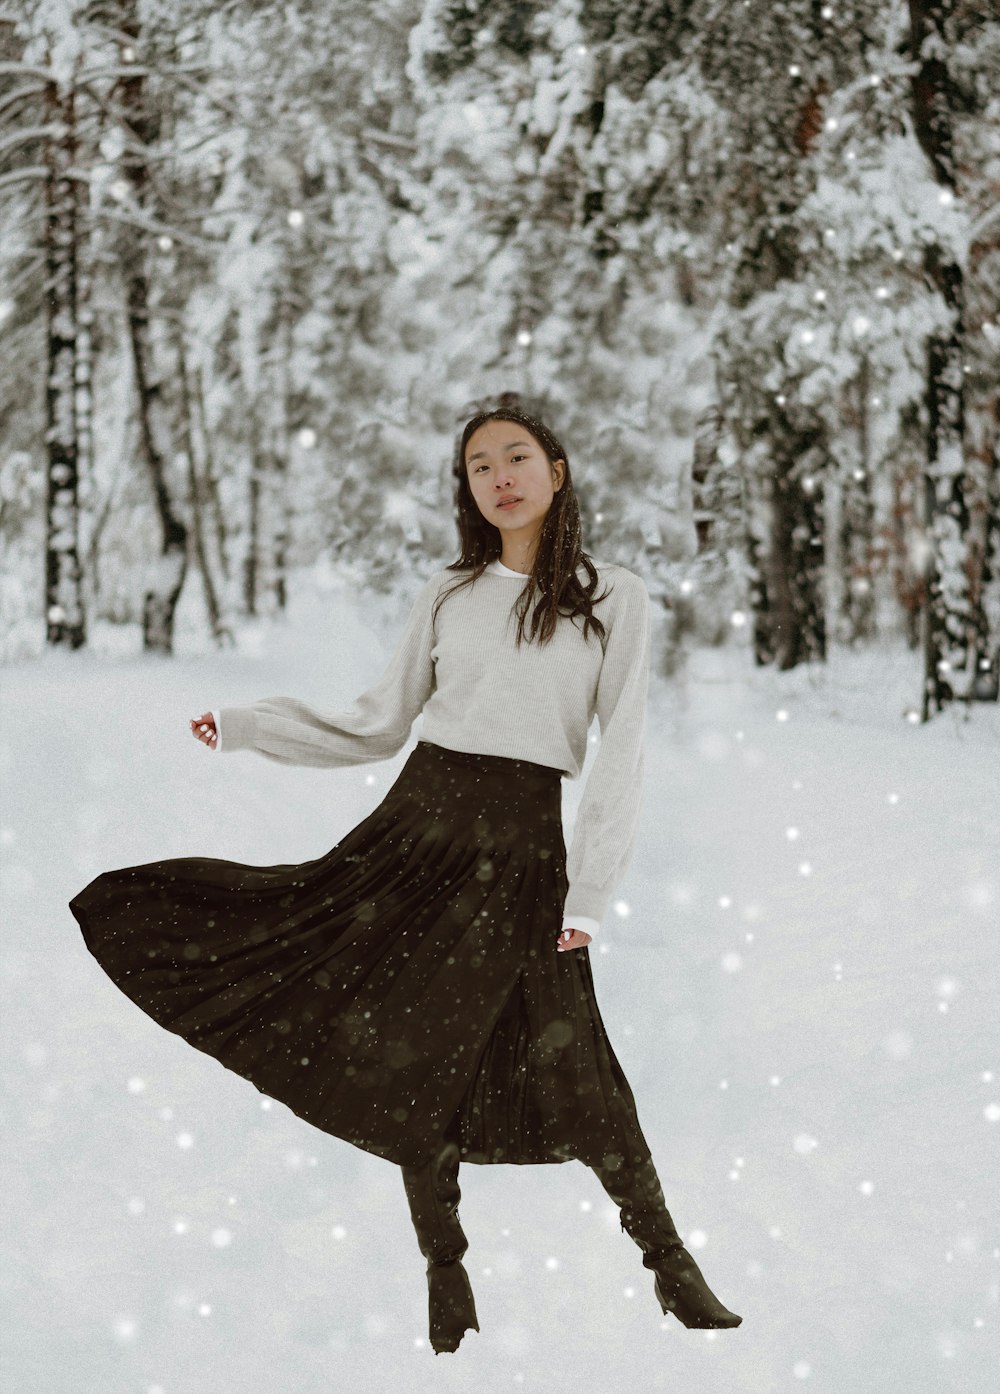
(509, 446)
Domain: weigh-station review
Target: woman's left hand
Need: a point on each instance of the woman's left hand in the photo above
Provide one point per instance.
(572, 939)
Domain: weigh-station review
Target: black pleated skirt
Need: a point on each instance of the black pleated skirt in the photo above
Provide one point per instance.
(403, 989)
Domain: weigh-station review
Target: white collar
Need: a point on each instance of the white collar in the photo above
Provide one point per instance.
(498, 569)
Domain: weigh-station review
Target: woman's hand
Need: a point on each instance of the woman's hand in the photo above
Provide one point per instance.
(572, 939)
(203, 729)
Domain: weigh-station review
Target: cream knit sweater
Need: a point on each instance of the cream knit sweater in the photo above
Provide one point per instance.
(478, 693)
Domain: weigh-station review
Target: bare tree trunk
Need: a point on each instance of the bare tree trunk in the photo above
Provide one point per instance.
(84, 395)
(857, 526)
(65, 620)
(251, 565)
(786, 547)
(280, 448)
(166, 579)
(209, 479)
(984, 502)
(757, 515)
(906, 532)
(267, 413)
(764, 623)
(796, 556)
(196, 492)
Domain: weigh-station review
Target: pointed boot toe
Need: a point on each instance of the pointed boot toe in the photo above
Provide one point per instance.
(451, 1305)
(680, 1288)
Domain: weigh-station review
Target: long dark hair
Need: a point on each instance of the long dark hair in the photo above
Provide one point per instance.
(559, 553)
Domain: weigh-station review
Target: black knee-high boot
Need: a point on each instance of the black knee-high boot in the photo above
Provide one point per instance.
(680, 1286)
(433, 1194)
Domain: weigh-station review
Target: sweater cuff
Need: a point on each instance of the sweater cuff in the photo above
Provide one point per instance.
(217, 720)
(584, 922)
(586, 898)
(240, 724)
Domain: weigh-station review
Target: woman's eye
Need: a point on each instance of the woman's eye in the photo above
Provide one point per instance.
(513, 457)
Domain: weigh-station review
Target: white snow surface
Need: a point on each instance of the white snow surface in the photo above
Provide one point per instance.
(799, 975)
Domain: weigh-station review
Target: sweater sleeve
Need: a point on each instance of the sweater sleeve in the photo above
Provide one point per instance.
(607, 816)
(375, 727)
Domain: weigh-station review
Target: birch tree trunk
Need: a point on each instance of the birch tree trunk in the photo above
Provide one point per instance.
(65, 621)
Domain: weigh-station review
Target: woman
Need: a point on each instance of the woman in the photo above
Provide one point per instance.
(420, 989)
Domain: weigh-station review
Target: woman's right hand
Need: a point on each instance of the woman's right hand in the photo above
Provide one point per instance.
(203, 729)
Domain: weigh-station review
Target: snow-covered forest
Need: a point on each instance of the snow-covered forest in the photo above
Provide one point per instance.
(258, 265)
(261, 261)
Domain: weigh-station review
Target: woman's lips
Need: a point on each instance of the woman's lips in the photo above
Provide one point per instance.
(509, 503)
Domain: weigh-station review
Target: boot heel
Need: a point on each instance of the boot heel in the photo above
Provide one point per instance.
(680, 1288)
(451, 1305)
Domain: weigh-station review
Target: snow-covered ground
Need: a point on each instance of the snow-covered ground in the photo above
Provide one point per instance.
(800, 979)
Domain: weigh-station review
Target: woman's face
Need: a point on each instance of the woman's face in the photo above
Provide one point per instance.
(504, 461)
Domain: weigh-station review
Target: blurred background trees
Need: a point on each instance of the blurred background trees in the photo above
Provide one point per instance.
(260, 262)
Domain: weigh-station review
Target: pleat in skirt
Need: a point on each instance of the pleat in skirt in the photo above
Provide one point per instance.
(400, 991)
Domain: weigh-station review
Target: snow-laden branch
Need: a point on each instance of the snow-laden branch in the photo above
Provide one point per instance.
(98, 26)
(385, 138)
(28, 172)
(19, 93)
(983, 222)
(841, 100)
(123, 70)
(28, 272)
(230, 108)
(47, 132)
(155, 225)
(27, 70)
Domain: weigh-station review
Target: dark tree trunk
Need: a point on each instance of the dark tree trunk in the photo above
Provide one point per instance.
(764, 636)
(905, 527)
(166, 580)
(281, 431)
(251, 565)
(948, 623)
(786, 591)
(210, 481)
(65, 621)
(197, 493)
(857, 528)
(984, 498)
(796, 558)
